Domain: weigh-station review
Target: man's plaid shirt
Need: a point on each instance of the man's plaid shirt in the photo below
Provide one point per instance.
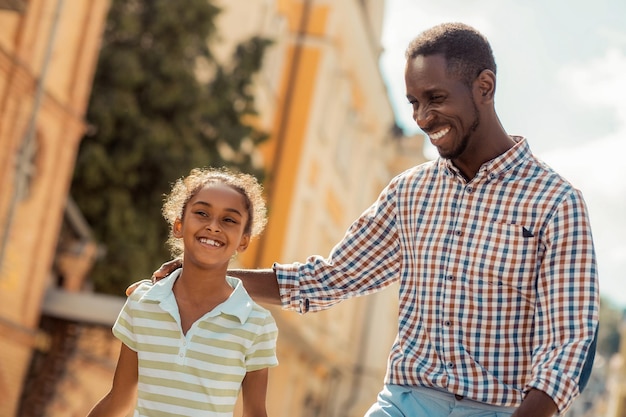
(498, 279)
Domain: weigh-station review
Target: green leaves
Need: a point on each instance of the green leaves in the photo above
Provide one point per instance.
(153, 121)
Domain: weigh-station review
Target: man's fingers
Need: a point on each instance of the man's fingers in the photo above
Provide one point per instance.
(166, 269)
(133, 287)
(162, 272)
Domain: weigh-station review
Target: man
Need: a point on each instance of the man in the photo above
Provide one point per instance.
(492, 249)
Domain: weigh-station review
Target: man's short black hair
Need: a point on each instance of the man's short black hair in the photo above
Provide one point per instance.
(467, 51)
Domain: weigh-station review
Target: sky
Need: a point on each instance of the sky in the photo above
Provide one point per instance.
(561, 83)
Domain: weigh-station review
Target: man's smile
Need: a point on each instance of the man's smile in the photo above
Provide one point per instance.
(435, 136)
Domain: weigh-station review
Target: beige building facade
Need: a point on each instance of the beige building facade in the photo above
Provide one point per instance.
(48, 53)
(333, 146)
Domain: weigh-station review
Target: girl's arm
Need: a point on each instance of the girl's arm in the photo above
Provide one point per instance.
(254, 390)
(119, 401)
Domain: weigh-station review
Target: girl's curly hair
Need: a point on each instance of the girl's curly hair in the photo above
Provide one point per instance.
(186, 187)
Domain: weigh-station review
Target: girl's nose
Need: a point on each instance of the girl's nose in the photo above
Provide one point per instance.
(213, 225)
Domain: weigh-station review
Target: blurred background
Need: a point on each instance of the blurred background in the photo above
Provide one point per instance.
(104, 103)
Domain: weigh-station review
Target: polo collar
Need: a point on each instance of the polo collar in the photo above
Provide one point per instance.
(238, 304)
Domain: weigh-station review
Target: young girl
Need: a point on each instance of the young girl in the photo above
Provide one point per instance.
(191, 341)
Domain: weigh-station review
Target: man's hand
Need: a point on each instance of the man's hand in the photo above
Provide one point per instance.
(165, 269)
(536, 404)
(132, 287)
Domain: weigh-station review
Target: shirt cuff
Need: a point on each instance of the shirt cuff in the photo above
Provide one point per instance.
(560, 388)
(288, 279)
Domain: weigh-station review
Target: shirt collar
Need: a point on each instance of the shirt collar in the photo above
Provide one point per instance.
(238, 304)
(496, 167)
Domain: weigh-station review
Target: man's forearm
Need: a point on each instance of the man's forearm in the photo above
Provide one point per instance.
(261, 284)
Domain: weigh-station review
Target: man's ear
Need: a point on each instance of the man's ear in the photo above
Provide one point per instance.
(485, 86)
(243, 244)
(177, 228)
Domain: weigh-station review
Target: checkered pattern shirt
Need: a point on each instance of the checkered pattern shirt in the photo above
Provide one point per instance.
(497, 278)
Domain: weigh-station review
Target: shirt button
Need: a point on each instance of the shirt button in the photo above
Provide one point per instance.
(469, 190)
(450, 365)
(450, 278)
(447, 323)
(181, 355)
(458, 232)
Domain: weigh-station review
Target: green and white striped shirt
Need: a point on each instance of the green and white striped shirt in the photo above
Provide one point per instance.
(200, 373)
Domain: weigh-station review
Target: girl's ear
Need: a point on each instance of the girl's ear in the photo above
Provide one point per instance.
(177, 228)
(243, 244)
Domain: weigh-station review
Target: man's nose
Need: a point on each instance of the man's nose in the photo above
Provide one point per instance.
(422, 117)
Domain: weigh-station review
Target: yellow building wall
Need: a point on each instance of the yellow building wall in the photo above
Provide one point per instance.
(320, 96)
(47, 59)
(331, 150)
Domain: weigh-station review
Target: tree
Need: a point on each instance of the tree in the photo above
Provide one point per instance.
(152, 121)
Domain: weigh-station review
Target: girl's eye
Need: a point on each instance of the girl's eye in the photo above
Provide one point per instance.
(201, 213)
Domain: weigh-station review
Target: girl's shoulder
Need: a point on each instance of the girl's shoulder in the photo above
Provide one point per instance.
(144, 286)
(261, 314)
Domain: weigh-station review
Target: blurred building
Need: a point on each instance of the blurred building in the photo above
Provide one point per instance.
(48, 53)
(333, 146)
(616, 379)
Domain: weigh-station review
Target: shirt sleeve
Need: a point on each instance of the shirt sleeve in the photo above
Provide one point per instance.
(567, 305)
(366, 260)
(262, 353)
(123, 328)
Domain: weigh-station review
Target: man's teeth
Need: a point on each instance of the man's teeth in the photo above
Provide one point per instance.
(210, 242)
(440, 134)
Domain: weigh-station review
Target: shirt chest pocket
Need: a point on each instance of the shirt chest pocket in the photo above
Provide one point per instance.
(503, 255)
